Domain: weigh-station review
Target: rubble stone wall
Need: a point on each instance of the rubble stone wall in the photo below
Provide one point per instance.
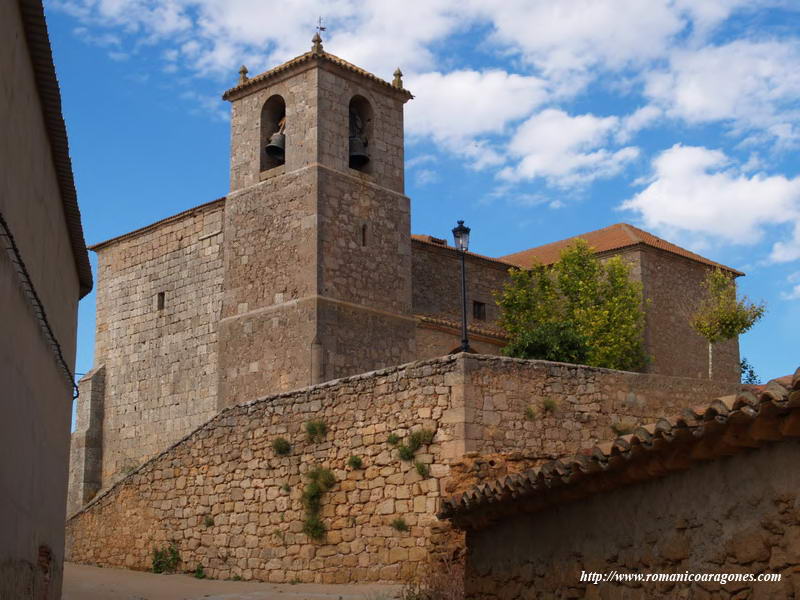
(227, 501)
(737, 515)
(555, 408)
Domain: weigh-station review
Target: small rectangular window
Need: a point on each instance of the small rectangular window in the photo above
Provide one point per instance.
(479, 310)
(161, 297)
(364, 235)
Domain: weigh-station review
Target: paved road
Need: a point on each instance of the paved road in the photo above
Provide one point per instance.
(93, 583)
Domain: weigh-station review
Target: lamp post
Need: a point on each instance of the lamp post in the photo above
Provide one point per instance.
(461, 238)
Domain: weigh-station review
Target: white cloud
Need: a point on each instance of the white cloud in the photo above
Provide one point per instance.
(636, 121)
(569, 37)
(566, 150)
(426, 176)
(701, 192)
(750, 85)
(206, 104)
(789, 250)
(794, 293)
(559, 49)
(457, 108)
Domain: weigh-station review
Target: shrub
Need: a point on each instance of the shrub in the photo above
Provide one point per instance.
(200, 572)
(530, 413)
(416, 440)
(355, 462)
(281, 446)
(399, 524)
(405, 452)
(423, 469)
(549, 405)
(313, 527)
(166, 560)
(285, 487)
(320, 480)
(420, 437)
(316, 430)
(208, 521)
(393, 439)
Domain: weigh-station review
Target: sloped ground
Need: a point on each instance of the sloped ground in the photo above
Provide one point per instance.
(83, 582)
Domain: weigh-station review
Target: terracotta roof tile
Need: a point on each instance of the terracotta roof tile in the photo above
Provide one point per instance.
(614, 237)
(308, 57)
(723, 427)
(435, 242)
(488, 329)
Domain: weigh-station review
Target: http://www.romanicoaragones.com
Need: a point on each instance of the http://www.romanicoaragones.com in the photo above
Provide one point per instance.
(686, 577)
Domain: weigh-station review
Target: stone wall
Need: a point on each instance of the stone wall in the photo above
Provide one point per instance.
(555, 408)
(299, 92)
(86, 444)
(673, 287)
(436, 277)
(160, 363)
(739, 514)
(270, 283)
(364, 275)
(434, 340)
(231, 504)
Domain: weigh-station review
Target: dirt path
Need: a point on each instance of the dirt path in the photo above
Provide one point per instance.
(93, 583)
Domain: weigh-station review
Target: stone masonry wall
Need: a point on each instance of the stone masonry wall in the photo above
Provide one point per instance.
(673, 287)
(436, 277)
(270, 283)
(739, 514)
(231, 504)
(433, 341)
(555, 408)
(160, 364)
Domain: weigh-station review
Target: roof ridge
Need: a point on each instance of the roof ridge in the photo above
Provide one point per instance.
(607, 239)
(631, 231)
(312, 54)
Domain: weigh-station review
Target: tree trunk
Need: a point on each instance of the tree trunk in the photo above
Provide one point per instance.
(710, 360)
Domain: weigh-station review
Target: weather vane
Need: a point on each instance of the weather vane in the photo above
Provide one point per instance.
(320, 28)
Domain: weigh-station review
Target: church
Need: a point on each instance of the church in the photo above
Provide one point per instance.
(307, 272)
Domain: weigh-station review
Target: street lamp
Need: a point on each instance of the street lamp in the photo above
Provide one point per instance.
(461, 238)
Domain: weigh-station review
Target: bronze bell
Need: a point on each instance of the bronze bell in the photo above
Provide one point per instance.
(358, 152)
(276, 146)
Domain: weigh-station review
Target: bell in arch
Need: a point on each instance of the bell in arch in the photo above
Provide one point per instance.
(358, 152)
(276, 147)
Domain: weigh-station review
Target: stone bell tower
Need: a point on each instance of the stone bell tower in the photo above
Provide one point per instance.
(317, 251)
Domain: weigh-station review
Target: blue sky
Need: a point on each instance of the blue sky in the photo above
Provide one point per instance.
(534, 120)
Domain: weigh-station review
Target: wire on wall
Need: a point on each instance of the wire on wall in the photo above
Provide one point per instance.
(7, 240)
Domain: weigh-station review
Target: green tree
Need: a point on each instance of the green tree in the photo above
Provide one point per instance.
(721, 316)
(579, 310)
(747, 372)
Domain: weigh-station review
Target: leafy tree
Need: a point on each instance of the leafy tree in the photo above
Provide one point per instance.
(747, 372)
(720, 315)
(579, 310)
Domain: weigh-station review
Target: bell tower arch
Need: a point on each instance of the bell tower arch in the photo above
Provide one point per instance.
(317, 250)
